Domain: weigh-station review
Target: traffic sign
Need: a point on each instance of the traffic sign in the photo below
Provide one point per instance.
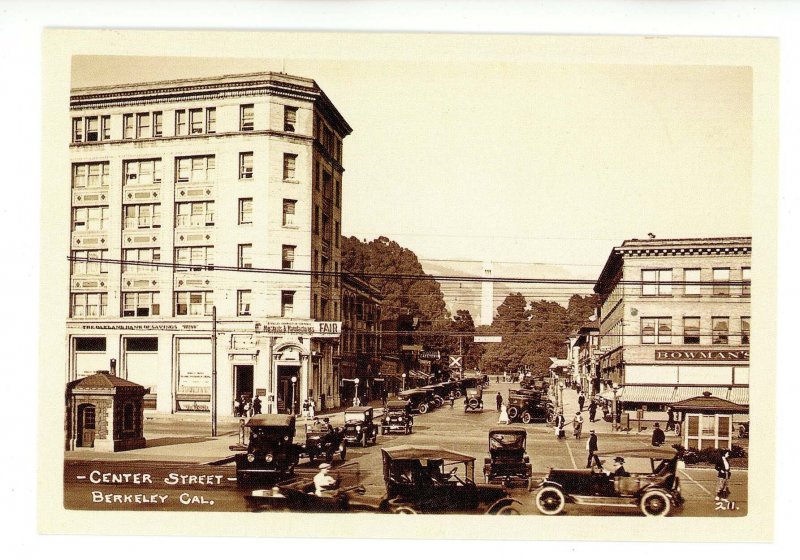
(455, 362)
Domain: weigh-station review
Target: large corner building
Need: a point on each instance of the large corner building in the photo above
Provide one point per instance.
(190, 195)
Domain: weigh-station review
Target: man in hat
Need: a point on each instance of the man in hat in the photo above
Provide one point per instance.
(323, 481)
(591, 446)
(658, 436)
(619, 468)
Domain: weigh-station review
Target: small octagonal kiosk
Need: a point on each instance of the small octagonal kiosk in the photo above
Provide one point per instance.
(105, 412)
(708, 421)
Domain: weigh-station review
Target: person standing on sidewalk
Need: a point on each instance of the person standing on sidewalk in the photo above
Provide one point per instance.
(581, 400)
(592, 410)
(723, 467)
(577, 425)
(591, 447)
(311, 409)
(559, 424)
(256, 405)
(658, 436)
(499, 400)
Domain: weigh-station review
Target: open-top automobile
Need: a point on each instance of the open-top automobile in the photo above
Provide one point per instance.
(508, 463)
(323, 442)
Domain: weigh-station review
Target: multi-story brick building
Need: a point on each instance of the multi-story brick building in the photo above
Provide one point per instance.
(675, 320)
(360, 342)
(190, 195)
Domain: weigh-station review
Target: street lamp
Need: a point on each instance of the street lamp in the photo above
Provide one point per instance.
(294, 382)
(614, 425)
(404, 382)
(357, 381)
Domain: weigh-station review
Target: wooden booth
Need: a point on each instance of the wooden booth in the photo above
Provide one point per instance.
(707, 421)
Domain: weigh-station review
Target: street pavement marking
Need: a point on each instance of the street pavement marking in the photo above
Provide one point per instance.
(693, 480)
(574, 465)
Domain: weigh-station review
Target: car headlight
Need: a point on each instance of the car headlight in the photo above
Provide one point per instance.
(358, 428)
(250, 457)
(268, 457)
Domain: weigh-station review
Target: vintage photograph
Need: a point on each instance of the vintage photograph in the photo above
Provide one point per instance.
(406, 283)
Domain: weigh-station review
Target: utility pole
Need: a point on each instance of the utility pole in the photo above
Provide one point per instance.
(214, 371)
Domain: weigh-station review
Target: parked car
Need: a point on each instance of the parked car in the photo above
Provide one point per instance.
(322, 442)
(359, 427)
(431, 479)
(473, 401)
(527, 406)
(507, 461)
(441, 392)
(271, 453)
(651, 485)
(397, 418)
(419, 399)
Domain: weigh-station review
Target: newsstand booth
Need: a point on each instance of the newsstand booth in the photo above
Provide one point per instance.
(105, 412)
(708, 421)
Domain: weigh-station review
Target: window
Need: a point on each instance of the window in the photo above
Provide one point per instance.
(289, 119)
(287, 304)
(195, 121)
(140, 255)
(656, 330)
(691, 330)
(193, 303)
(336, 274)
(180, 123)
(288, 212)
(316, 220)
(92, 132)
(327, 184)
(105, 127)
(143, 172)
(194, 258)
(243, 298)
(90, 175)
(337, 233)
(287, 257)
(245, 256)
(90, 344)
(246, 118)
(89, 305)
(719, 330)
(289, 166)
(246, 165)
(158, 124)
(690, 277)
(245, 210)
(140, 304)
(127, 126)
(89, 262)
(194, 214)
(90, 218)
(141, 216)
(745, 330)
(657, 282)
(338, 194)
(77, 129)
(196, 169)
(746, 281)
(211, 120)
(143, 125)
(722, 277)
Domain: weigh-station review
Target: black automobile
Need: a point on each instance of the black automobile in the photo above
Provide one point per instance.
(323, 441)
(359, 427)
(650, 484)
(431, 479)
(441, 392)
(473, 399)
(397, 418)
(420, 400)
(527, 406)
(271, 453)
(507, 462)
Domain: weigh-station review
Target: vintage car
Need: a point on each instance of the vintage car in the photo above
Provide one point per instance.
(441, 392)
(359, 427)
(473, 399)
(420, 400)
(473, 382)
(527, 406)
(507, 462)
(397, 418)
(651, 484)
(323, 441)
(271, 453)
(299, 496)
(431, 479)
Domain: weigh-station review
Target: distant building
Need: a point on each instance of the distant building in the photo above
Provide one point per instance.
(360, 344)
(584, 357)
(675, 320)
(178, 189)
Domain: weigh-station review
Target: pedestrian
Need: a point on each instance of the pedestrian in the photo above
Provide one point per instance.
(591, 447)
(237, 407)
(452, 398)
(723, 467)
(305, 408)
(503, 415)
(577, 425)
(658, 436)
(323, 481)
(247, 406)
(311, 409)
(581, 400)
(256, 405)
(559, 424)
(670, 420)
(592, 410)
(499, 400)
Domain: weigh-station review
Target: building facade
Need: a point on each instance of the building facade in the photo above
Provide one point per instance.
(360, 343)
(207, 209)
(675, 320)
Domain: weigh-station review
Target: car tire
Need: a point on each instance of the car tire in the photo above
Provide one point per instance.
(423, 408)
(526, 418)
(438, 402)
(458, 394)
(677, 429)
(507, 510)
(404, 509)
(550, 500)
(513, 412)
(655, 503)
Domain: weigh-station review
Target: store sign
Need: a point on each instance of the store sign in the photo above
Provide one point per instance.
(703, 355)
(312, 329)
(430, 355)
(411, 347)
(488, 339)
(140, 326)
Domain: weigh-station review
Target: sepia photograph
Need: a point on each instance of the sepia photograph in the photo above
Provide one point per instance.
(402, 274)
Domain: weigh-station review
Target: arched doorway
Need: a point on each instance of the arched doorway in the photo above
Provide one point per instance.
(288, 362)
(86, 425)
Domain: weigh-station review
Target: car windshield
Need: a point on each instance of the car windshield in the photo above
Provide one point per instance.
(354, 416)
(506, 441)
(431, 472)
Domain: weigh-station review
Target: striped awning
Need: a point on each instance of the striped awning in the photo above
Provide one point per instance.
(665, 394)
(647, 394)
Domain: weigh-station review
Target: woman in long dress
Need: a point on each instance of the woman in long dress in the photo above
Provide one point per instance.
(503, 415)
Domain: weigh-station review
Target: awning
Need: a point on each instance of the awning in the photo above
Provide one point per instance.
(667, 394)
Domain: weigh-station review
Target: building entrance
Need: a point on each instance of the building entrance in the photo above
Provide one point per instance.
(243, 382)
(86, 426)
(287, 389)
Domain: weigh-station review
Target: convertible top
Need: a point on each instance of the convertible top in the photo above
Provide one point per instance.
(396, 404)
(426, 452)
(515, 431)
(271, 420)
(412, 392)
(358, 409)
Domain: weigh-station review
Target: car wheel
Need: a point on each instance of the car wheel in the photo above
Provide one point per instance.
(550, 500)
(438, 402)
(513, 412)
(507, 510)
(423, 408)
(458, 394)
(655, 503)
(404, 509)
(677, 429)
(526, 418)
(550, 417)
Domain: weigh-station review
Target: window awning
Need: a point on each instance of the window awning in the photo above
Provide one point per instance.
(666, 394)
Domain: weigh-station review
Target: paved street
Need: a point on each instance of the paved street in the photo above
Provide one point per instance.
(180, 476)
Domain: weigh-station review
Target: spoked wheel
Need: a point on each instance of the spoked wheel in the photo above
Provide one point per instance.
(526, 418)
(550, 500)
(423, 408)
(655, 504)
(513, 412)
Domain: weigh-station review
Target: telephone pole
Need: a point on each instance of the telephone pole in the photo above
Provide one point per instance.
(214, 371)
